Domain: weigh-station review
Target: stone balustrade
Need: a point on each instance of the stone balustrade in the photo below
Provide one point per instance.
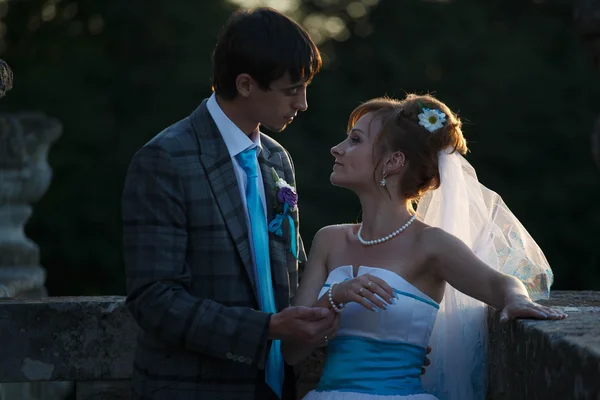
(91, 340)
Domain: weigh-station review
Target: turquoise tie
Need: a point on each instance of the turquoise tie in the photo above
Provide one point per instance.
(260, 238)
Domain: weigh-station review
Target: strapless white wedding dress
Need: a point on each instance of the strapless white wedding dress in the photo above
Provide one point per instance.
(378, 355)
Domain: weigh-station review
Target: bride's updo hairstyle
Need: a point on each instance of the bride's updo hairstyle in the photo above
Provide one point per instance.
(401, 131)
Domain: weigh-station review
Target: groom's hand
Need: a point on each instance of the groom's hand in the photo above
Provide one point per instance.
(307, 325)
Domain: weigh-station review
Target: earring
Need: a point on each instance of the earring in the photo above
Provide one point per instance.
(382, 182)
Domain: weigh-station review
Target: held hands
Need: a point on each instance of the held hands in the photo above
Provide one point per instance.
(523, 307)
(312, 326)
(369, 291)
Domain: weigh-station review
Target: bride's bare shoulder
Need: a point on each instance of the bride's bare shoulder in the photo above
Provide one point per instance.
(434, 241)
(335, 233)
(427, 234)
(326, 240)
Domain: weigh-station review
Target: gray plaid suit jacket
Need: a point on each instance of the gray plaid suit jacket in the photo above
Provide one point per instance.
(190, 281)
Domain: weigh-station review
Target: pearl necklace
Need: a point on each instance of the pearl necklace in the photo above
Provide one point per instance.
(388, 237)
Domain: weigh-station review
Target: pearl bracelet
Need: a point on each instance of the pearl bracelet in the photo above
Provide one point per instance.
(337, 308)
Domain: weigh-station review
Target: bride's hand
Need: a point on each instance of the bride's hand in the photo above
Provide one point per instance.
(523, 307)
(367, 290)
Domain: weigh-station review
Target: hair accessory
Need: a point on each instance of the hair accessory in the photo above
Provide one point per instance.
(432, 119)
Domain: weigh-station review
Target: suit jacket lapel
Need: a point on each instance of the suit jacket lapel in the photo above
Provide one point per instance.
(277, 245)
(221, 176)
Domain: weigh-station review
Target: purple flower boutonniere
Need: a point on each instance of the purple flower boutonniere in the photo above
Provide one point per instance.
(287, 201)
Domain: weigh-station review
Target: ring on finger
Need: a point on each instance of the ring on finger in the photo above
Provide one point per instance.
(361, 290)
(369, 284)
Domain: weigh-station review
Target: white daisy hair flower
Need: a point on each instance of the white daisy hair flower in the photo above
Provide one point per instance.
(432, 119)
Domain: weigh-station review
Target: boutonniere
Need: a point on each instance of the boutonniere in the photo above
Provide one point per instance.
(286, 200)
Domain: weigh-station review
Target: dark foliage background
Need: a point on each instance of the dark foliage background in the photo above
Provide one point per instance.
(116, 73)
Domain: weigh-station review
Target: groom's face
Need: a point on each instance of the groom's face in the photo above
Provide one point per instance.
(354, 163)
(276, 108)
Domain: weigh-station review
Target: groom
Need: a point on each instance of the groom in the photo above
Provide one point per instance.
(207, 282)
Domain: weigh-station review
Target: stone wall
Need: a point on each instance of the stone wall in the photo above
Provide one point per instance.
(90, 340)
(66, 338)
(532, 360)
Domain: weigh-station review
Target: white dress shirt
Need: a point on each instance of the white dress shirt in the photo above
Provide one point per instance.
(236, 142)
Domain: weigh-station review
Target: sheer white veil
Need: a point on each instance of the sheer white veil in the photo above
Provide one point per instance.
(479, 217)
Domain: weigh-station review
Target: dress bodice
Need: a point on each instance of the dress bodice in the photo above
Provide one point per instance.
(379, 352)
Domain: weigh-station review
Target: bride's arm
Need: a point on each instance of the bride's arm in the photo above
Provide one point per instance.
(315, 276)
(315, 271)
(313, 279)
(455, 263)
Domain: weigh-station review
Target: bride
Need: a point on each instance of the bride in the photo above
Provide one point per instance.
(386, 277)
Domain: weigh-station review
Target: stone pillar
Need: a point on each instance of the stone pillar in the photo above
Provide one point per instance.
(24, 177)
(587, 18)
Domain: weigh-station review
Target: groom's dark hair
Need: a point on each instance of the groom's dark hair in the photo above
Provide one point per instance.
(265, 44)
